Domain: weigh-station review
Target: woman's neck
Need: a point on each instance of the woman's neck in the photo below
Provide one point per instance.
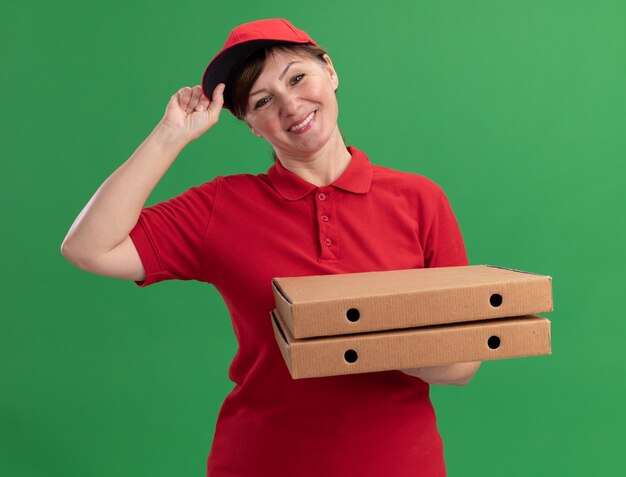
(324, 166)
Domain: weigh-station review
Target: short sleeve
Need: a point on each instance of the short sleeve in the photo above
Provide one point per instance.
(169, 236)
(444, 243)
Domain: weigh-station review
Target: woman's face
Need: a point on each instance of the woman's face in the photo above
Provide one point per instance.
(293, 105)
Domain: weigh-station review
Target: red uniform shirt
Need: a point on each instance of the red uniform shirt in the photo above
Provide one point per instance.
(239, 232)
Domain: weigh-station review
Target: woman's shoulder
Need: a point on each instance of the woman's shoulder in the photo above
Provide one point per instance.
(403, 180)
(235, 182)
(244, 179)
(239, 184)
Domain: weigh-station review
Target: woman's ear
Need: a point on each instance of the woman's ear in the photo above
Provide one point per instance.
(330, 69)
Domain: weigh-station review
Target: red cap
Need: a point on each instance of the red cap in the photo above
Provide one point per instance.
(241, 43)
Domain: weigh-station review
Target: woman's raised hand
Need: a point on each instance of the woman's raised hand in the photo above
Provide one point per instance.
(190, 113)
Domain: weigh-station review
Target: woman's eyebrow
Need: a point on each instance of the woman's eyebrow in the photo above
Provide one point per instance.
(282, 75)
(286, 68)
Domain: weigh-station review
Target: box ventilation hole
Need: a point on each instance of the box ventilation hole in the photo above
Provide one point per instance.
(351, 356)
(495, 300)
(353, 315)
(493, 342)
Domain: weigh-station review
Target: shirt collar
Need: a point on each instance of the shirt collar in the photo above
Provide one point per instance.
(357, 178)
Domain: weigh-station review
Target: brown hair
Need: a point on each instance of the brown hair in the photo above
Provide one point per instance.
(245, 76)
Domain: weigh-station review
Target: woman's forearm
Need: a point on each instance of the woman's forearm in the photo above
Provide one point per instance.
(114, 209)
(458, 373)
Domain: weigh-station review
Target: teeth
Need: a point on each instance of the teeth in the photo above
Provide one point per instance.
(303, 123)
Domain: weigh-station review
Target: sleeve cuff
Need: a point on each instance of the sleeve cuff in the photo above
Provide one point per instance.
(148, 256)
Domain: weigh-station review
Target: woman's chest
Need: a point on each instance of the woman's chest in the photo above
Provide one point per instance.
(250, 243)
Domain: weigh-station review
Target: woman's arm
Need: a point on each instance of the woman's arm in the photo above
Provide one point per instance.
(458, 373)
(98, 239)
(444, 247)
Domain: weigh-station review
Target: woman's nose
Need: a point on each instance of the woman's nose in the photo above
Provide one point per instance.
(289, 105)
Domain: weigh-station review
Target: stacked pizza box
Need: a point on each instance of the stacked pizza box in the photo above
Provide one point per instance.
(375, 321)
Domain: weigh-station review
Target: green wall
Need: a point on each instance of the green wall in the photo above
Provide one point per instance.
(517, 108)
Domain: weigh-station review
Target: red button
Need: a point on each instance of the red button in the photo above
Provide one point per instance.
(325, 218)
(328, 242)
(322, 196)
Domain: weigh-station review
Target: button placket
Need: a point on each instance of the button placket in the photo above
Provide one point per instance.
(326, 225)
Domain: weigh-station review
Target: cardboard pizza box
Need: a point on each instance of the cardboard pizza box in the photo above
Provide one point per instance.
(412, 348)
(328, 305)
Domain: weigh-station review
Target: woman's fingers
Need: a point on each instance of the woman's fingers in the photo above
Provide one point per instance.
(184, 97)
(203, 103)
(218, 98)
(196, 94)
(193, 99)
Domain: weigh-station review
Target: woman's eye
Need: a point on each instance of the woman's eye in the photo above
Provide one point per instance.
(261, 102)
(297, 78)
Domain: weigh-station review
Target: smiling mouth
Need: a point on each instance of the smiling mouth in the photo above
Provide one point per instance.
(306, 121)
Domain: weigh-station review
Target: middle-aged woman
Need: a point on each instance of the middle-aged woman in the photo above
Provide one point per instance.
(322, 208)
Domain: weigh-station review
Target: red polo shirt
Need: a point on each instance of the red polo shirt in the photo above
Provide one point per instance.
(239, 232)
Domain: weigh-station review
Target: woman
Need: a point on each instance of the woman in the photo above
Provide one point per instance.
(322, 208)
